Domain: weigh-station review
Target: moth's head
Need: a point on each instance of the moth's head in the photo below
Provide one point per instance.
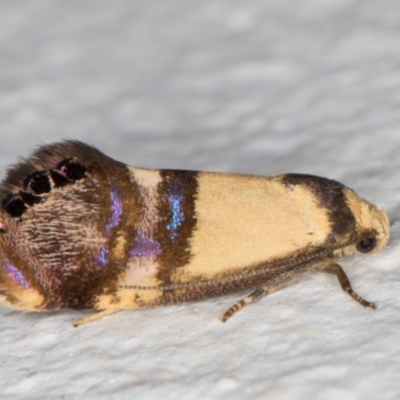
(355, 225)
(376, 220)
(55, 209)
(372, 226)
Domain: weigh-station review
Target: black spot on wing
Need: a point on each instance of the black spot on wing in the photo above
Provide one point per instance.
(30, 198)
(13, 205)
(49, 157)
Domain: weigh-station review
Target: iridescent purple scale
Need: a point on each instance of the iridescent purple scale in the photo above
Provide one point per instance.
(115, 219)
(116, 207)
(175, 200)
(102, 256)
(16, 275)
(145, 246)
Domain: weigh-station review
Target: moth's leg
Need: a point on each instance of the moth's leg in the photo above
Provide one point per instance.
(331, 267)
(242, 303)
(270, 285)
(94, 317)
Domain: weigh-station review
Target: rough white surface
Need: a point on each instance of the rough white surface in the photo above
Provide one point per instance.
(260, 87)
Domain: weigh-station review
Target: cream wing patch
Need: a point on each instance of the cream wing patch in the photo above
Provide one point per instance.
(243, 220)
(142, 266)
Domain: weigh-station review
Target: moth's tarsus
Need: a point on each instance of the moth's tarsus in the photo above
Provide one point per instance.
(259, 292)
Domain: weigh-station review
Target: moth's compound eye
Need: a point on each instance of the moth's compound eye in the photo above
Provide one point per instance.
(13, 205)
(72, 169)
(366, 245)
(38, 182)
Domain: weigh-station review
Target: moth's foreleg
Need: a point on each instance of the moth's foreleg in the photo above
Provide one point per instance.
(331, 267)
(242, 303)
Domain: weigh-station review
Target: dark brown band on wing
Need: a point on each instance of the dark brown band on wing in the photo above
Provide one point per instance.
(177, 220)
(100, 269)
(331, 196)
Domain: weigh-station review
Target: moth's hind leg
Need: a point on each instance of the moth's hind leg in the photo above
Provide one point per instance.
(242, 303)
(94, 317)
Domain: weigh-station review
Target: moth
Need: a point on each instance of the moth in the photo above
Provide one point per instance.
(79, 230)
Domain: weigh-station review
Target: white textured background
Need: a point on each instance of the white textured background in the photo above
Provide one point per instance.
(261, 87)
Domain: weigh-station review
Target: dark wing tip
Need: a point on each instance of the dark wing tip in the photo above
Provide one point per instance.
(46, 157)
